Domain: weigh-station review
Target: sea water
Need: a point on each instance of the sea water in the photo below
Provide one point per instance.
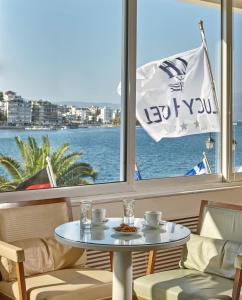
(101, 148)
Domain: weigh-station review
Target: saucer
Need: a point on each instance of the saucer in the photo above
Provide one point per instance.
(100, 223)
(153, 227)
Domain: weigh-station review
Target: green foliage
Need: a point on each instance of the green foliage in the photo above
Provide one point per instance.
(3, 117)
(66, 166)
(1, 96)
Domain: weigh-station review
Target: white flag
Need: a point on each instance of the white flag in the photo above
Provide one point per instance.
(174, 96)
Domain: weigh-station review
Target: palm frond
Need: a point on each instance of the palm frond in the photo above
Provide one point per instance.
(3, 179)
(7, 187)
(12, 166)
(46, 145)
(58, 154)
(24, 150)
(76, 173)
(64, 163)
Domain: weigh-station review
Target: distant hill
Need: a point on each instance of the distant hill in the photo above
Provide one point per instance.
(89, 104)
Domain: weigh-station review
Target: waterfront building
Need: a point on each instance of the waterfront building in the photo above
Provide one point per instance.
(19, 111)
(116, 114)
(106, 115)
(9, 95)
(94, 110)
(84, 113)
(45, 113)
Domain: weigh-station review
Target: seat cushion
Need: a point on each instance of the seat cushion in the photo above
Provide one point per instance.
(66, 284)
(212, 256)
(183, 284)
(43, 255)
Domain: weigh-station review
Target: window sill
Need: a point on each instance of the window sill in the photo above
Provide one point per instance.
(150, 189)
(115, 192)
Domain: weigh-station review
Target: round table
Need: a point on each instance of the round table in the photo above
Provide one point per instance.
(104, 238)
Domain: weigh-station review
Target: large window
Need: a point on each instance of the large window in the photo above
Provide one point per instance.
(70, 88)
(60, 67)
(166, 28)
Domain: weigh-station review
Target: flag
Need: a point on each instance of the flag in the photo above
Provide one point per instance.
(238, 169)
(41, 180)
(174, 96)
(200, 169)
(137, 173)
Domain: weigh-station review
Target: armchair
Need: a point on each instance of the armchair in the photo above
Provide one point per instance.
(34, 222)
(212, 264)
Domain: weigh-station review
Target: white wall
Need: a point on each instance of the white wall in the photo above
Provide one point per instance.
(172, 206)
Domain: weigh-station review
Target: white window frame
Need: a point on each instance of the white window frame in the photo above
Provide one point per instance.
(153, 187)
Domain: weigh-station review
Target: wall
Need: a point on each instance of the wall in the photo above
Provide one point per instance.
(172, 206)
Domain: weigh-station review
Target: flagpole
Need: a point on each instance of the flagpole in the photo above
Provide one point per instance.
(207, 163)
(50, 171)
(204, 41)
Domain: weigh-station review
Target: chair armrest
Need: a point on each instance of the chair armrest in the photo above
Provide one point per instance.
(11, 252)
(238, 262)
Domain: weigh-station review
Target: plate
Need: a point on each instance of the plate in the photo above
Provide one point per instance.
(152, 227)
(100, 223)
(127, 233)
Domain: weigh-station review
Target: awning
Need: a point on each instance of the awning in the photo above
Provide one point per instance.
(237, 4)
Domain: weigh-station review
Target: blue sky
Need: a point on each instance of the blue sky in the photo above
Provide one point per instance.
(71, 50)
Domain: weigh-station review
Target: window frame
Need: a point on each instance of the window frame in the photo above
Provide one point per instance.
(164, 186)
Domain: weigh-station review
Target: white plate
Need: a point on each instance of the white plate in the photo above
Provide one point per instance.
(100, 223)
(127, 233)
(152, 227)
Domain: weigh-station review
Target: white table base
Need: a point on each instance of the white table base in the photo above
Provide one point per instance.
(122, 276)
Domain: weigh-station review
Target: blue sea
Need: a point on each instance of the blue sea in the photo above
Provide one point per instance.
(101, 148)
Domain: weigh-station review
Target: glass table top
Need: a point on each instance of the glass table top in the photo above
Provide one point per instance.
(104, 237)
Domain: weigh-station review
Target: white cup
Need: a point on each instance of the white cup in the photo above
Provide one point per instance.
(98, 215)
(153, 218)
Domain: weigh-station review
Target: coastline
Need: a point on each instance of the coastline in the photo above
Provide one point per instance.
(53, 128)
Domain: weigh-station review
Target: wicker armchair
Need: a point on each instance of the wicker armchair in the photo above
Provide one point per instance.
(37, 219)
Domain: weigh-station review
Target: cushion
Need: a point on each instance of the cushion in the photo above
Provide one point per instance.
(31, 221)
(66, 284)
(211, 255)
(183, 284)
(42, 255)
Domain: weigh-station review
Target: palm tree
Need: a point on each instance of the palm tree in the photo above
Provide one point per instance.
(66, 166)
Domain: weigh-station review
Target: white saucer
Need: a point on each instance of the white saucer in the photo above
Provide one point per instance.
(153, 227)
(100, 223)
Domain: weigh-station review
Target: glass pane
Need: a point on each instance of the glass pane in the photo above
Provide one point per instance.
(165, 29)
(60, 67)
(237, 87)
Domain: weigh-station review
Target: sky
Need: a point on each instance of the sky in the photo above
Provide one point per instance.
(70, 50)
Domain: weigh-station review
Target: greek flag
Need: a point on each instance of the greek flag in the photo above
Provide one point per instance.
(200, 169)
(137, 173)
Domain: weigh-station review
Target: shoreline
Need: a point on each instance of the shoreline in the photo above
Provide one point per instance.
(54, 128)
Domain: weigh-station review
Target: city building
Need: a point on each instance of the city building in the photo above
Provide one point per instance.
(106, 115)
(19, 111)
(9, 95)
(45, 112)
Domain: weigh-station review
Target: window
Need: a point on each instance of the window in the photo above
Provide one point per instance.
(60, 71)
(166, 28)
(61, 65)
(237, 93)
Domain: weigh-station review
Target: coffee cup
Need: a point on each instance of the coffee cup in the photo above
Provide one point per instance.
(152, 218)
(98, 215)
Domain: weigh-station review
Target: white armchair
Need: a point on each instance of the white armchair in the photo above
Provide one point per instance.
(211, 261)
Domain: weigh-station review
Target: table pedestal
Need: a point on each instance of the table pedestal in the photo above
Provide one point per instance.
(122, 276)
